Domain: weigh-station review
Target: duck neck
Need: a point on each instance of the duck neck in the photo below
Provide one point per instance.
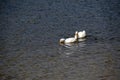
(76, 37)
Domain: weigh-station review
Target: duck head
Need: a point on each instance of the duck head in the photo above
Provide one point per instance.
(62, 40)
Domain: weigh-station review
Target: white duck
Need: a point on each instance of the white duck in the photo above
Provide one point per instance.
(70, 40)
(82, 34)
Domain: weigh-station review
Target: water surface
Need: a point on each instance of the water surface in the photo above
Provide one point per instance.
(29, 40)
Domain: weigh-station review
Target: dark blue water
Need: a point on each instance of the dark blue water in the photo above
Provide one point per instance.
(29, 40)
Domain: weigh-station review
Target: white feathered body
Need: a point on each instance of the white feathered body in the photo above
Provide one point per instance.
(82, 34)
(70, 40)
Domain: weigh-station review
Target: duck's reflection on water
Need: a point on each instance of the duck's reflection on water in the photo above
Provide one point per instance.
(69, 49)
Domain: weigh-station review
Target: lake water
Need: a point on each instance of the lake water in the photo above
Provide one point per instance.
(29, 40)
